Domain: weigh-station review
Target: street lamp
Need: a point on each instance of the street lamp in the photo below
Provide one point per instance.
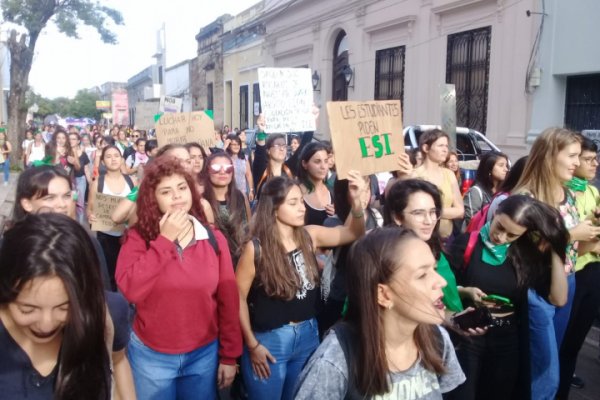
(316, 79)
(348, 75)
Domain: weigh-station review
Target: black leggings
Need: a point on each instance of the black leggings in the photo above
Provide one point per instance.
(490, 363)
(111, 245)
(583, 312)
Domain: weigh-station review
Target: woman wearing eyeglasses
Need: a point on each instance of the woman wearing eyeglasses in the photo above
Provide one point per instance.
(229, 205)
(270, 156)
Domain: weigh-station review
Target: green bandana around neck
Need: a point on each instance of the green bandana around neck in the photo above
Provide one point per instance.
(492, 254)
(577, 184)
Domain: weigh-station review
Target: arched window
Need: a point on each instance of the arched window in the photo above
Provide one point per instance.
(340, 60)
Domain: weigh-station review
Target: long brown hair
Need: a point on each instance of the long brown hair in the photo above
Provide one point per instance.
(274, 273)
(233, 225)
(373, 261)
(538, 177)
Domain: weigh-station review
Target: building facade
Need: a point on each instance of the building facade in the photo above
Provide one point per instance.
(408, 50)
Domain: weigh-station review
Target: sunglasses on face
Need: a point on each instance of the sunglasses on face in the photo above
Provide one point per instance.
(216, 168)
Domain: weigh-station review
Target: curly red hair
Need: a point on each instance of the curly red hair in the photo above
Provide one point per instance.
(149, 214)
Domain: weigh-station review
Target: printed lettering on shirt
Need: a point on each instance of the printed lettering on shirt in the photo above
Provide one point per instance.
(300, 265)
(412, 388)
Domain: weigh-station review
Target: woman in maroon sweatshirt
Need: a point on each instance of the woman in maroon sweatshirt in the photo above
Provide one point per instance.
(178, 273)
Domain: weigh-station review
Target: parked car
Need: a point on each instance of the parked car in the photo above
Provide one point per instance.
(470, 144)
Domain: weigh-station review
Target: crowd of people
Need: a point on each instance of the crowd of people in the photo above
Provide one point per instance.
(248, 270)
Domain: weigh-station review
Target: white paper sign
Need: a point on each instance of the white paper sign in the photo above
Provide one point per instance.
(286, 97)
(170, 104)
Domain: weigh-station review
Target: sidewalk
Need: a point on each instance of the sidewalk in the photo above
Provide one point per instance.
(7, 199)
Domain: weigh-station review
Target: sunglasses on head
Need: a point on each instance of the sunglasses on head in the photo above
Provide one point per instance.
(216, 168)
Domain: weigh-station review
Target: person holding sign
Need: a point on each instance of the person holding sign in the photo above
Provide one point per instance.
(113, 183)
(270, 155)
(278, 281)
(434, 145)
(178, 273)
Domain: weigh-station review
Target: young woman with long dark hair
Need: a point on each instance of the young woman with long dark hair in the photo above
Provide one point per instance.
(510, 254)
(60, 149)
(229, 205)
(178, 273)
(312, 172)
(389, 345)
(48, 189)
(55, 331)
(490, 174)
(81, 175)
(114, 183)
(278, 281)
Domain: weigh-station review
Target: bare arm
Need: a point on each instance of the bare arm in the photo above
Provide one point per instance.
(457, 209)
(355, 223)
(559, 288)
(91, 199)
(124, 387)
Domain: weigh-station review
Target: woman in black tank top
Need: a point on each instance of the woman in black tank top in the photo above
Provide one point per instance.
(277, 277)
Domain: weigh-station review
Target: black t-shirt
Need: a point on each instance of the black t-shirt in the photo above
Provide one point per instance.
(492, 279)
(83, 161)
(268, 313)
(20, 380)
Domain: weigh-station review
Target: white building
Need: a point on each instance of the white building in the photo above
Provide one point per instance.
(177, 84)
(391, 49)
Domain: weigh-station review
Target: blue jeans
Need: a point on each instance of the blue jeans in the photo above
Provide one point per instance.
(6, 169)
(81, 186)
(291, 345)
(547, 325)
(160, 376)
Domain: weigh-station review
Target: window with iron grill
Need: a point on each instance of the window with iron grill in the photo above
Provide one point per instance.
(389, 74)
(244, 107)
(582, 105)
(468, 68)
(209, 97)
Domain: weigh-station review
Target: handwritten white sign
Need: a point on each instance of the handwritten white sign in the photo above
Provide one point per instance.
(286, 97)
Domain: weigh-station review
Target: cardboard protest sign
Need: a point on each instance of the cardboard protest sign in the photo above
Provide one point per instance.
(286, 97)
(366, 136)
(144, 114)
(104, 205)
(182, 128)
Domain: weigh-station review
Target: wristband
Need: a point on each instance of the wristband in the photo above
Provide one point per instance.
(358, 214)
(255, 347)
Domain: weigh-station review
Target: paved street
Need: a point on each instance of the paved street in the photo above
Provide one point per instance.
(588, 366)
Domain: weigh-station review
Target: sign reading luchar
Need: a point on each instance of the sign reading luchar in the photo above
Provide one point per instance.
(104, 206)
(182, 128)
(366, 136)
(286, 97)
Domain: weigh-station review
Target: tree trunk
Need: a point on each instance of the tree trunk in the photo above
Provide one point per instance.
(21, 57)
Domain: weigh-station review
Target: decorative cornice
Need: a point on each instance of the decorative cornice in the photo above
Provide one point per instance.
(455, 5)
(407, 19)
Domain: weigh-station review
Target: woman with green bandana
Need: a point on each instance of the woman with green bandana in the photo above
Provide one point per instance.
(509, 254)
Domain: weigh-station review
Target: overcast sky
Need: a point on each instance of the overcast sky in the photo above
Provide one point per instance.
(63, 65)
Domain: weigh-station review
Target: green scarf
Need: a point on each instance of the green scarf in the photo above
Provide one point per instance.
(492, 254)
(577, 184)
(46, 161)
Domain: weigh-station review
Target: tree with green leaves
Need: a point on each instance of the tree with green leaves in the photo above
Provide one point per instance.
(34, 15)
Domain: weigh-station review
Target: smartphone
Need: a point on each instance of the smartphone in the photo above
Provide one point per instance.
(478, 318)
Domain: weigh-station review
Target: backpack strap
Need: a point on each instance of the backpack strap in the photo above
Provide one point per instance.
(212, 239)
(346, 336)
(129, 181)
(101, 183)
(470, 247)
